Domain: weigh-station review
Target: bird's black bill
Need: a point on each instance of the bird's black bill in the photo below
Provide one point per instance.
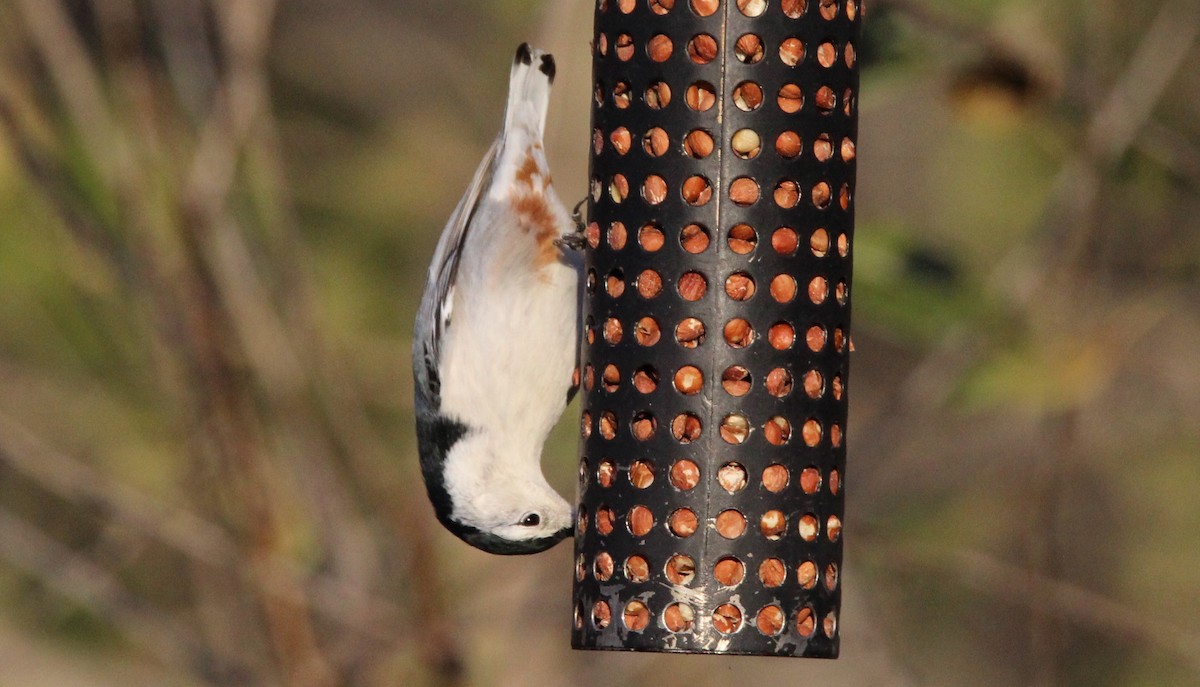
(508, 547)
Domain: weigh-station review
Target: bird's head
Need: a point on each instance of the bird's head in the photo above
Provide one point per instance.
(498, 502)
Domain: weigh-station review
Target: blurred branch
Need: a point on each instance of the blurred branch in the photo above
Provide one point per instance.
(1035, 266)
(89, 585)
(250, 383)
(190, 60)
(1139, 89)
(1117, 122)
(78, 84)
(1131, 101)
(1123, 118)
(1175, 151)
(187, 533)
(1070, 602)
(287, 354)
(1022, 586)
(941, 22)
(48, 177)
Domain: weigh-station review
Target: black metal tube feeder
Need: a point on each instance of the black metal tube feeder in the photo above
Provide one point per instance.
(716, 326)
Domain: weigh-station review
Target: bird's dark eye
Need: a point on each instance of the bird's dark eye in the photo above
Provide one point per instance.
(531, 520)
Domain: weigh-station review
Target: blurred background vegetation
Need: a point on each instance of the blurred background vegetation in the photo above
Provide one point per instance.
(215, 218)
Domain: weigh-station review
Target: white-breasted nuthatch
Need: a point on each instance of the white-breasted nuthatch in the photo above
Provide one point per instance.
(495, 343)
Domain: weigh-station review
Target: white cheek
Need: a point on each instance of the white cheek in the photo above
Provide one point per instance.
(466, 474)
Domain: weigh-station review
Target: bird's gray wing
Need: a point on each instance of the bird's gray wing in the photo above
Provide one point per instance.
(434, 315)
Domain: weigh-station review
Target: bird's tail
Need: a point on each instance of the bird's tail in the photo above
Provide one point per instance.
(529, 91)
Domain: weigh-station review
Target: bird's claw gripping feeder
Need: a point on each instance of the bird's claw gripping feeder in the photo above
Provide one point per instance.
(716, 326)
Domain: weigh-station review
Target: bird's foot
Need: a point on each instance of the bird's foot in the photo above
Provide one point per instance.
(577, 215)
(577, 240)
(573, 242)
